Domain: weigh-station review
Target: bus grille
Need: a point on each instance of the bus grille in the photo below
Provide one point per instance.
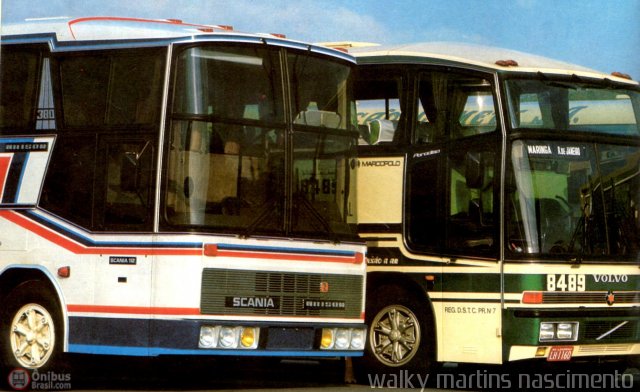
(239, 292)
(589, 297)
(595, 329)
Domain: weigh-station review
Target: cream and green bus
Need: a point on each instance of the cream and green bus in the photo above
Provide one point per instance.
(498, 193)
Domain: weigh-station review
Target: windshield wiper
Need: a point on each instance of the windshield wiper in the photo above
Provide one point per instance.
(302, 201)
(271, 207)
(583, 227)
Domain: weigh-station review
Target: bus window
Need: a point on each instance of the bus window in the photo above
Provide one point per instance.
(71, 168)
(321, 154)
(17, 101)
(471, 212)
(104, 97)
(132, 96)
(320, 100)
(83, 87)
(572, 107)
(129, 182)
(457, 105)
(378, 106)
(235, 153)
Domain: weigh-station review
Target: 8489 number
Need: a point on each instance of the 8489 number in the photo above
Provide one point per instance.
(566, 282)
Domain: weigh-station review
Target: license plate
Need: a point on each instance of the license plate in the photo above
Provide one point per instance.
(560, 353)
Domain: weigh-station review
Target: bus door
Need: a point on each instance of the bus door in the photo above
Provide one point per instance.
(452, 210)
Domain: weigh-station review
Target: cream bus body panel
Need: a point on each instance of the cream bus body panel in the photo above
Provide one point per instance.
(380, 183)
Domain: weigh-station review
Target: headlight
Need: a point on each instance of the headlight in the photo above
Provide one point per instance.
(229, 337)
(208, 337)
(358, 339)
(558, 331)
(342, 339)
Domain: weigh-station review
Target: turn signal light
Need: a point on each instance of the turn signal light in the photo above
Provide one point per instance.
(532, 297)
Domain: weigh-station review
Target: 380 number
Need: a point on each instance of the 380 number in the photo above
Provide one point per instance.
(566, 282)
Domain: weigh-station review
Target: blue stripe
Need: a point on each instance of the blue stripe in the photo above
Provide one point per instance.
(156, 351)
(185, 245)
(255, 248)
(21, 176)
(89, 242)
(17, 140)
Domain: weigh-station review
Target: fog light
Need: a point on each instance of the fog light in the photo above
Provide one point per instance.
(358, 339)
(208, 337)
(249, 337)
(343, 339)
(565, 331)
(326, 342)
(228, 337)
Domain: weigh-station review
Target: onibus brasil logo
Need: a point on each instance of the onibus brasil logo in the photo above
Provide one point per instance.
(20, 379)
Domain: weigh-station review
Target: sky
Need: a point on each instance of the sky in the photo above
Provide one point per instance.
(599, 34)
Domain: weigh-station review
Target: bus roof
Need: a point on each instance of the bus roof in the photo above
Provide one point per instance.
(66, 33)
(469, 54)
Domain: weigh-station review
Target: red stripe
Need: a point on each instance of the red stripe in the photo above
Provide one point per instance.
(5, 162)
(142, 310)
(125, 19)
(77, 248)
(133, 310)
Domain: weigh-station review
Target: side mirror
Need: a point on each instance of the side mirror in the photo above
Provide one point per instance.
(135, 166)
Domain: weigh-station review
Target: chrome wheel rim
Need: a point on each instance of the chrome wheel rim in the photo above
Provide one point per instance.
(32, 336)
(394, 335)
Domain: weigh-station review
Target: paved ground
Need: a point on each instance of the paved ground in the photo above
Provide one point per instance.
(92, 373)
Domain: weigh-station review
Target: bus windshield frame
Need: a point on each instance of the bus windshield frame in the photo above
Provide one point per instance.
(573, 175)
(269, 156)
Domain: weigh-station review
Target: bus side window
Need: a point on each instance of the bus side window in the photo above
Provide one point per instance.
(128, 183)
(17, 100)
(68, 186)
(379, 108)
(471, 201)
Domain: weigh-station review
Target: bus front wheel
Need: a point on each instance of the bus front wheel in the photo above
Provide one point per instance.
(400, 332)
(30, 328)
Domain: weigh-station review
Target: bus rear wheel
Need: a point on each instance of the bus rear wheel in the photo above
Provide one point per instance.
(30, 328)
(400, 333)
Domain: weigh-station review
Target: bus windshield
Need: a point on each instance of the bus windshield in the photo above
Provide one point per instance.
(573, 106)
(233, 128)
(578, 199)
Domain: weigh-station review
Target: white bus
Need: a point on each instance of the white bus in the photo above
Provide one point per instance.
(171, 188)
(499, 195)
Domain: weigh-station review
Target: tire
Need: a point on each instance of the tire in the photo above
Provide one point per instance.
(400, 334)
(30, 328)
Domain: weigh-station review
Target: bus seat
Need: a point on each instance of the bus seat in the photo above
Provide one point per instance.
(382, 131)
